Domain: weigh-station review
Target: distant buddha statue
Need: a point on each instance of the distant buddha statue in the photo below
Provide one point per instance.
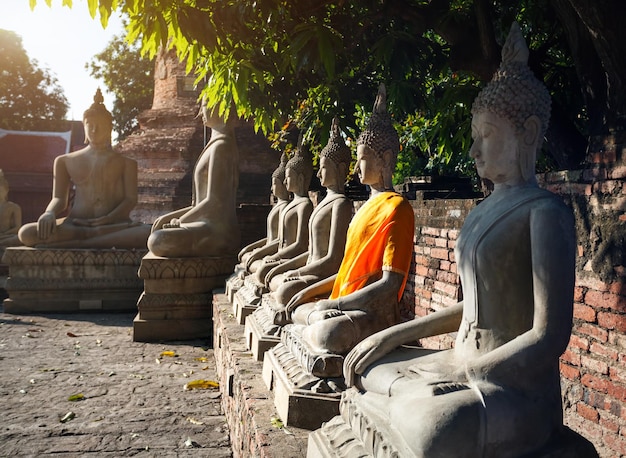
(209, 226)
(248, 254)
(497, 392)
(327, 229)
(10, 216)
(105, 192)
(365, 293)
(293, 238)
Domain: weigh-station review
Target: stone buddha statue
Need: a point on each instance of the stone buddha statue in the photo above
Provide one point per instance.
(10, 216)
(248, 254)
(327, 227)
(364, 294)
(209, 226)
(327, 238)
(497, 392)
(105, 192)
(293, 238)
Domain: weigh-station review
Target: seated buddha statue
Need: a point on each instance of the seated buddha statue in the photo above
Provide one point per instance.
(209, 226)
(10, 216)
(327, 238)
(105, 192)
(365, 292)
(327, 227)
(497, 392)
(248, 254)
(293, 238)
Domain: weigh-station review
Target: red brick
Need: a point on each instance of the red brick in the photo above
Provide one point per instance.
(591, 282)
(617, 391)
(423, 293)
(441, 243)
(595, 383)
(431, 231)
(617, 172)
(609, 424)
(603, 350)
(429, 241)
(421, 270)
(612, 321)
(593, 331)
(606, 300)
(587, 412)
(594, 364)
(440, 253)
(421, 260)
(451, 244)
(578, 293)
(615, 443)
(584, 312)
(571, 357)
(569, 372)
(453, 234)
(579, 342)
(453, 267)
(617, 375)
(445, 265)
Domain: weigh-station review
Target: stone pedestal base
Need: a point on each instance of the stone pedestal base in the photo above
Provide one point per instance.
(257, 328)
(336, 439)
(246, 300)
(71, 280)
(296, 392)
(246, 403)
(176, 302)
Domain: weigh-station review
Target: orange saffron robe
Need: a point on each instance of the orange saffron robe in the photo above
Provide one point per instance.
(380, 237)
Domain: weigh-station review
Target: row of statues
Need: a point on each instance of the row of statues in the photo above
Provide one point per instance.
(332, 282)
(497, 392)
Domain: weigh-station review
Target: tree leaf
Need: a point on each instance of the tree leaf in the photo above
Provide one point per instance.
(201, 384)
(76, 397)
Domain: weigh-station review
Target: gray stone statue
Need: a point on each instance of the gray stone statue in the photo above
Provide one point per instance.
(364, 294)
(105, 184)
(10, 216)
(250, 253)
(293, 234)
(497, 392)
(209, 226)
(327, 227)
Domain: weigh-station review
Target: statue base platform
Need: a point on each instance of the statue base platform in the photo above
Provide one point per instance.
(258, 330)
(246, 403)
(337, 439)
(177, 297)
(301, 399)
(71, 280)
(233, 284)
(247, 299)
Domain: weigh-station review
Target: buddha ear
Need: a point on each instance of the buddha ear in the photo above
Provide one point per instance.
(388, 158)
(532, 131)
(531, 140)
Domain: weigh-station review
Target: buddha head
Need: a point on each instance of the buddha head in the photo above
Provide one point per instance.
(335, 160)
(515, 105)
(378, 145)
(98, 121)
(278, 179)
(299, 170)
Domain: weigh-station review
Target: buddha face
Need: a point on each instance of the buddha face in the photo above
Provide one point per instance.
(293, 180)
(97, 130)
(369, 165)
(495, 149)
(278, 188)
(328, 173)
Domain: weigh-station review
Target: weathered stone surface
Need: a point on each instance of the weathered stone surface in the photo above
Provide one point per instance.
(62, 280)
(176, 302)
(133, 406)
(247, 404)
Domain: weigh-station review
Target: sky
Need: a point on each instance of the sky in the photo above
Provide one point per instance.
(63, 40)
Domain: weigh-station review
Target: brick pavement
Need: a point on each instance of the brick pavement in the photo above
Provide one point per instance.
(133, 405)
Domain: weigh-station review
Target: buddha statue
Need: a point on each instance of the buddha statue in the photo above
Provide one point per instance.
(365, 292)
(10, 216)
(105, 192)
(497, 392)
(209, 226)
(248, 254)
(327, 238)
(293, 234)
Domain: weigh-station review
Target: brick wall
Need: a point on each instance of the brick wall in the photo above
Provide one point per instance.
(593, 368)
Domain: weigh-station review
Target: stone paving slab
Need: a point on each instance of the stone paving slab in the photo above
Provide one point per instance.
(133, 405)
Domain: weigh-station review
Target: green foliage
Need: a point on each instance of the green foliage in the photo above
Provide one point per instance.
(307, 61)
(30, 97)
(130, 77)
